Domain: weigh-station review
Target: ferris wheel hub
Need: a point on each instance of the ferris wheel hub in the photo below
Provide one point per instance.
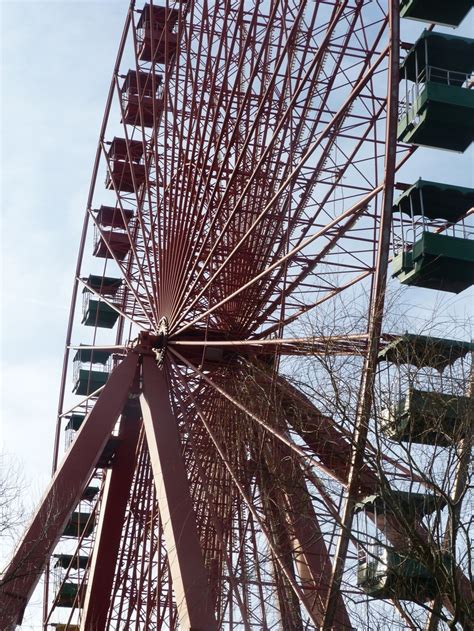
(162, 340)
(153, 343)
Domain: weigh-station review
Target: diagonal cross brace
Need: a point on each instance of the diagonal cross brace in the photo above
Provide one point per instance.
(64, 491)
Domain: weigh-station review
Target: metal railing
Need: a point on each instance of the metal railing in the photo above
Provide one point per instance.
(434, 74)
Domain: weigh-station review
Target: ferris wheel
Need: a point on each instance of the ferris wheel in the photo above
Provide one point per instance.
(243, 221)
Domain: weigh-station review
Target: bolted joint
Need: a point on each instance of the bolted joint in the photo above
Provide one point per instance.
(153, 343)
(160, 346)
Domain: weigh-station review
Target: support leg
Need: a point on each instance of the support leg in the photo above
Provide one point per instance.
(24, 570)
(188, 572)
(311, 553)
(300, 523)
(111, 519)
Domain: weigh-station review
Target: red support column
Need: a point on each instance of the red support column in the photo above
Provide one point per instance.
(111, 519)
(302, 528)
(24, 570)
(311, 554)
(188, 572)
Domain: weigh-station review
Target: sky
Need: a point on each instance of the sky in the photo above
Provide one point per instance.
(57, 59)
(56, 65)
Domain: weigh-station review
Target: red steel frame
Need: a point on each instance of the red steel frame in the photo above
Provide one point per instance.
(230, 244)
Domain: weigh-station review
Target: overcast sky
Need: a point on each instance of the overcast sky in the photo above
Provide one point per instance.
(56, 64)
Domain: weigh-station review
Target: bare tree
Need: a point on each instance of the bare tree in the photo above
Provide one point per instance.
(12, 510)
(421, 519)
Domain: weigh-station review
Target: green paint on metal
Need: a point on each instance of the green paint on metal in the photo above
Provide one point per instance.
(95, 356)
(440, 201)
(79, 524)
(411, 505)
(69, 595)
(444, 51)
(441, 116)
(424, 350)
(428, 418)
(450, 13)
(100, 314)
(74, 422)
(75, 561)
(89, 381)
(90, 493)
(437, 261)
(398, 575)
(104, 285)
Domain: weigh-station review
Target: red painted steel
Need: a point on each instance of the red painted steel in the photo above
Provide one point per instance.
(63, 494)
(185, 558)
(118, 483)
(309, 549)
